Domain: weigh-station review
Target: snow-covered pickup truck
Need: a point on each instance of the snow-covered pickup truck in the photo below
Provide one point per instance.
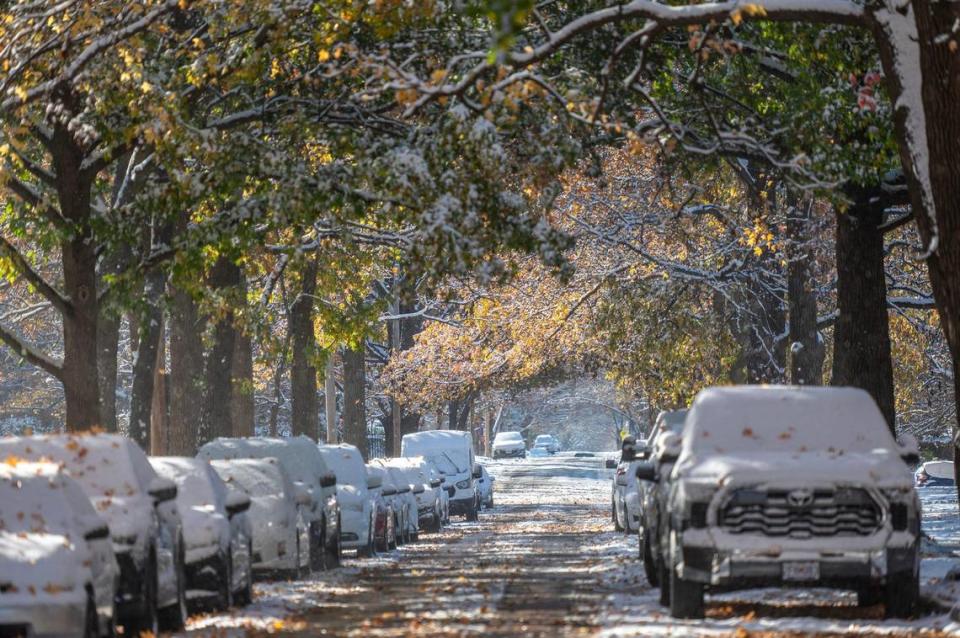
(781, 486)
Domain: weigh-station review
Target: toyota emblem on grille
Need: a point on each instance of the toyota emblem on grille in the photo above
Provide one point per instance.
(800, 498)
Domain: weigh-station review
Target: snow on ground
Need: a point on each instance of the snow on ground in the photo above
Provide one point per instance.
(546, 562)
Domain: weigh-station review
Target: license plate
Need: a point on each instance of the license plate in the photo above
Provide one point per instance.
(801, 570)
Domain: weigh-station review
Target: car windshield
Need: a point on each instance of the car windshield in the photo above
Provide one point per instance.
(509, 437)
(255, 478)
(35, 504)
(346, 464)
(759, 419)
(101, 464)
(195, 486)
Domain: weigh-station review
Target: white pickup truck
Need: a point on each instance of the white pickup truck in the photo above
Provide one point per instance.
(790, 486)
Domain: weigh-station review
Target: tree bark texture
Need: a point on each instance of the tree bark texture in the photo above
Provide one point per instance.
(806, 347)
(354, 395)
(861, 335)
(218, 369)
(186, 374)
(305, 415)
(243, 408)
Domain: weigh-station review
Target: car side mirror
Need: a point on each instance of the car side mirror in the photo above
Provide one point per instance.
(328, 480)
(436, 482)
(162, 490)
(388, 491)
(301, 494)
(646, 471)
(643, 453)
(237, 502)
(909, 449)
(477, 472)
(373, 482)
(610, 464)
(96, 527)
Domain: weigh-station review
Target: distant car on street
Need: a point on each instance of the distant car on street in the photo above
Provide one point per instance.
(509, 445)
(217, 535)
(451, 452)
(486, 488)
(58, 573)
(626, 496)
(139, 507)
(279, 515)
(781, 486)
(935, 473)
(548, 442)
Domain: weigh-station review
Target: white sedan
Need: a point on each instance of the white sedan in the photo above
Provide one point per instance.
(509, 444)
(356, 503)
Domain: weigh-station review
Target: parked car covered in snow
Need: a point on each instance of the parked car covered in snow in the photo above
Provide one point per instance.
(217, 535)
(509, 445)
(432, 501)
(139, 507)
(664, 448)
(58, 573)
(405, 500)
(278, 514)
(383, 494)
(485, 485)
(451, 452)
(780, 486)
(356, 504)
(305, 465)
(626, 496)
(547, 442)
(934, 473)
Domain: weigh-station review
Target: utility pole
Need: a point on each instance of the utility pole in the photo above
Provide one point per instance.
(330, 398)
(395, 341)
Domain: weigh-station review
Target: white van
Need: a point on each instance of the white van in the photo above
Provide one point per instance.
(451, 452)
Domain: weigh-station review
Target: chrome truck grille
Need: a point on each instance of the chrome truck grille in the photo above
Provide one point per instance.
(801, 513)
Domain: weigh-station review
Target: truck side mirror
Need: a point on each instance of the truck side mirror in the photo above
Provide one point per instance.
(328, 480)
(610, 464)
(646, 471)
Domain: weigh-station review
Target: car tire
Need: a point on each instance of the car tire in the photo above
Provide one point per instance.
(91, 622)
(148, 621)
(472, 515)
(663, 578)
(901, 595)
(686, 597)
(245, 596)
(318, 548)
(869, 595)
(331, 553)
(646, 555)
(174, 617)
(616, 519)
(370, 549)
(225, 595)
(297, 572)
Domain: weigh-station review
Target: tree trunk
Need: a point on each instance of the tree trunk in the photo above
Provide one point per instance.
(159, 409)
(78, 257)
(806, 347)
(354, 387)
(108, 346)
(145, 364)
(330, 397)
(218, 371)
(305, 415)
(242, 407)
(861, 336)
(410, 327)
(186, 374)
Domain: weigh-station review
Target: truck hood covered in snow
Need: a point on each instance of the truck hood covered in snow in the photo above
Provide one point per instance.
(880, 467)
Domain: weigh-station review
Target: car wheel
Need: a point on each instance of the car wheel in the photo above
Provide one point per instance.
(91, 623)
(370, 549)
(318, 549)
(902, 594)
(649, 567)
(869, 596)
(331, 554)
(174, 617)
(663, 578)
(686, 597)
(472, 513)
(147, 621)
(225, 595)
(616, 519)
(245, 596)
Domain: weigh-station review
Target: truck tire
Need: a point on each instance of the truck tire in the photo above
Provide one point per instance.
(686, 597)
(901, 595)
(663, 580)
(646, 555)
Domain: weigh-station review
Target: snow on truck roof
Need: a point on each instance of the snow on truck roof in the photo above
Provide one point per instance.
(435, 439)
(784, 419)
